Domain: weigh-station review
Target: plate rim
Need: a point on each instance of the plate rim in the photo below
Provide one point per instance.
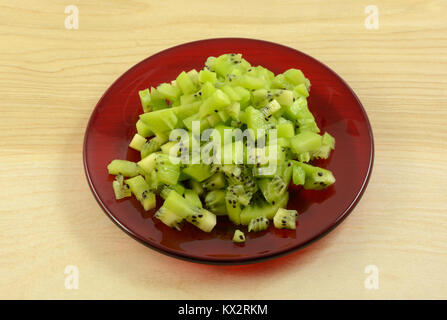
(231, 261)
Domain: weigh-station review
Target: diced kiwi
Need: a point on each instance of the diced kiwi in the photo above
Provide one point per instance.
(262, 208)
(160, 121)
(305, 142)
(285, 219)
(249, 187)
(204, 220)
(169, 91)
(196, 186)
(327, 145)
(234, 110)
(258, 224)
(271, 108)
(299, 176)
(216, 181)
(148, 163)
(192, 197)
(295, 76)
(145, 98)
(233, 206)
(165, 189)
(207, 90)
(302, 90)
(120, 189)
(185, 83)
(244, 95)
(284, 97)
(169, 218)
(194, 76)
(206, 75)
(143, 130)
(239, 236)
(123, 167)
(200, 217)
(285, 129)
(141, 190)
(137, 142)
(255, 120)
(215, 202)
(170, 148)
(316, 178)
(272, 189)
(167, 172)
(152, 146)
(240, 194)
(199, 172)
(186, 110)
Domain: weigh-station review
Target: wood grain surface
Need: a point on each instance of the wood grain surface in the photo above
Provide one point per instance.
(51, 79)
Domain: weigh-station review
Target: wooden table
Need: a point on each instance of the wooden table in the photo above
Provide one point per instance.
(51, 78)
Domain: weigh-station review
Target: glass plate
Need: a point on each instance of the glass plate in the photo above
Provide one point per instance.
(336, 109)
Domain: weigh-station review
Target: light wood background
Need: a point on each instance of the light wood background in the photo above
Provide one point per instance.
(51, 79)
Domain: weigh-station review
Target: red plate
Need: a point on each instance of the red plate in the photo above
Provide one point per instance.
(334, 104)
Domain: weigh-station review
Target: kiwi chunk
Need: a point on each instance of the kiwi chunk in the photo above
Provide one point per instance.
(215, 202)
(316, 178)
(258, 224)
(239, 236)
(285, 219)
(169, 218)
(123, 167)
(141, 190)
(120, 189)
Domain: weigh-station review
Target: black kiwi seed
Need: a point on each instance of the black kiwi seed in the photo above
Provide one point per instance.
(273, 202)
(215, 111)
(320, 174)
(241, 237)
(200, 215)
